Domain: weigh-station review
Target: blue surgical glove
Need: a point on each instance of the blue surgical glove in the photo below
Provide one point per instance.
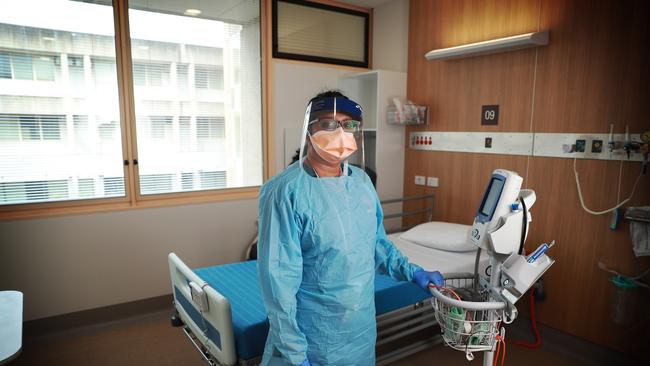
(305, 363)
(422, 278)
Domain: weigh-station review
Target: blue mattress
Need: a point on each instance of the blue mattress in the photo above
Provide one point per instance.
(238, 282)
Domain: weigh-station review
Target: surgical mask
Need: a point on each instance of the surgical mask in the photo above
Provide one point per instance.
(333, 129)
(333, 146)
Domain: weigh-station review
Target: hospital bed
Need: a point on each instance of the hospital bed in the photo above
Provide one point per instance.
(220, 308)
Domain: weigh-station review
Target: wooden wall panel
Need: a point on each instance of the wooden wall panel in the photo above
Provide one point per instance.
(595, 71)
(579, 292)
(455, 90)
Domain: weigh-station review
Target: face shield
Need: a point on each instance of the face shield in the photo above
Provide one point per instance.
(332, 133)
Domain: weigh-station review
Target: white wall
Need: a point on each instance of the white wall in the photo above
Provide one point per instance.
(390, 36)
(73, 263)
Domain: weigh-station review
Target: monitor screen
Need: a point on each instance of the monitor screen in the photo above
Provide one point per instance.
(492, 197)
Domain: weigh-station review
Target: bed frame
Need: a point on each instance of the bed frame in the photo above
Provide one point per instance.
(213, 337)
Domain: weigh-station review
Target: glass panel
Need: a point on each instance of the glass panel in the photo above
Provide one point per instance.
(44, 68)
(23, 68)
(76, 71)
(57, 68)
(5, 66)
(184, 127)
(182, 79)
(208, 77)
(51, 127)
(156, 183)
(213, 180)
(187, 181)
(104, 71)
(12, 192)
(86, 187)
(194, 75)
(113, 186)
(9, 127)
(30, 128)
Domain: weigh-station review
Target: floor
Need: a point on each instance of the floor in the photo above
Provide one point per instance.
(150, 340)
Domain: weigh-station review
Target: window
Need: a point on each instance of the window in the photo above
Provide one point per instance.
(86, 187)
(76, 70)
(29, 66)
(209, 77)
(108, 130)
(193, 61)
(184, 127)
(9, 128)
(210, 128)
(187, 181)
(190, 77)
(182, 77)
(210, 180)
(156, 183)
(17, 127)
(150, 74)
(161, 127)
(23, 67)
(303, 30)
(45, 190)
(44, 67)
(104, 72)
(113, 186)
(40, 161)
(12, 192)
(5, 66)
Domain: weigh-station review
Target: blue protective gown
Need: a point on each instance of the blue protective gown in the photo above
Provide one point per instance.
(320, 242)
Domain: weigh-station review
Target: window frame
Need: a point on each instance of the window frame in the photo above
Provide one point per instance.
(133, 199)
(320, 59)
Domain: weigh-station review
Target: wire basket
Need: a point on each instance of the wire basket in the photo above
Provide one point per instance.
(411, 115)
(471, 323)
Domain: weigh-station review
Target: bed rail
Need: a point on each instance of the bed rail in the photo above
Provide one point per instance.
(427, 210)
(205, 312)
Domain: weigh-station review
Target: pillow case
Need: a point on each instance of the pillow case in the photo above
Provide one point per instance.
(441, 235)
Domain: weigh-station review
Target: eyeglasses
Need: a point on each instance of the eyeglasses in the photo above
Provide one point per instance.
(330, 124)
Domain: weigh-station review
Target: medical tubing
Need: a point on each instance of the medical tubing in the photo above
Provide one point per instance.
(533, 322)
(500, 341)
(582, 202)
(524, 226)
(476, 262)
(634, 279)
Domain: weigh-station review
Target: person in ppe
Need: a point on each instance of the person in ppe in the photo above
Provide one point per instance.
(321, 240)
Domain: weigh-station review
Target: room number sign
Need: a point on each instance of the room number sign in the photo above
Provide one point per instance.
(490, 115)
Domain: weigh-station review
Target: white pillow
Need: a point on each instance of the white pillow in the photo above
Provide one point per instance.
(441, 235)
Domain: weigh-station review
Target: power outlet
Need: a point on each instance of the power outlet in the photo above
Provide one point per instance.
(419, 180)
(432, 181)
(597, 146)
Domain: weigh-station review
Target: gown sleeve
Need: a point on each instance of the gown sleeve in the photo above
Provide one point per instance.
(280, 273)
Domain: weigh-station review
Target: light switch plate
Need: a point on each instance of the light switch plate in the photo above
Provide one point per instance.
(432, 181)
(419, 180)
